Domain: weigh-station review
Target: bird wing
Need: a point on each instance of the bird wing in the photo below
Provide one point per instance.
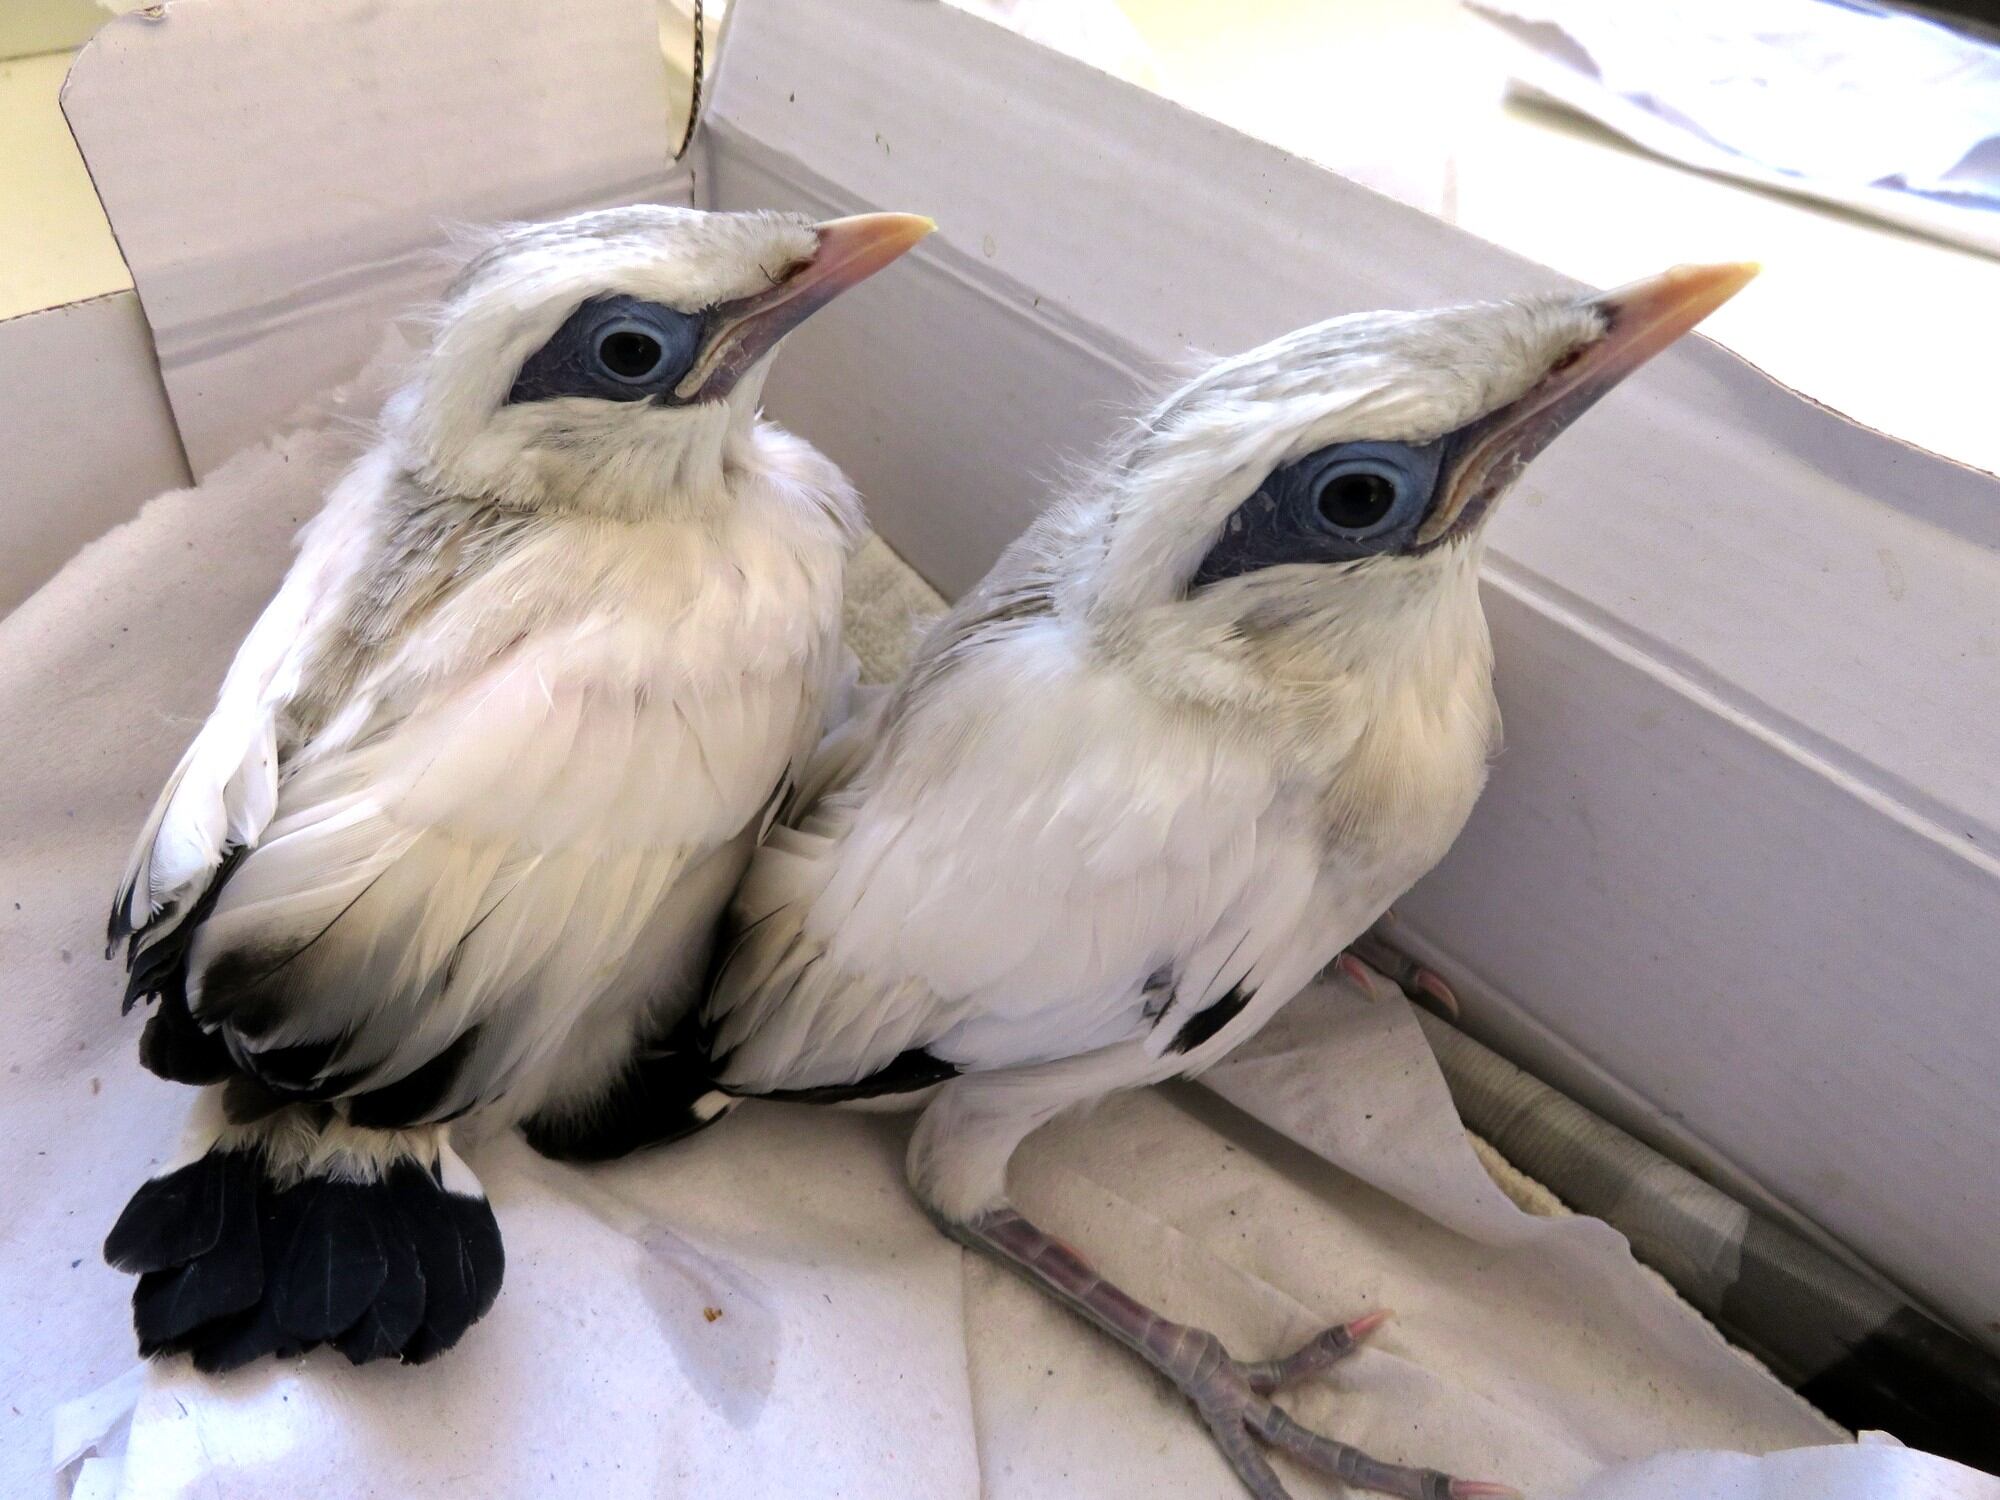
(1035, 859)
(223, 791)
(421, 893)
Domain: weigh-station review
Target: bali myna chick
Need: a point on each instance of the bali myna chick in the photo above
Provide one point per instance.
(482, 777)
(1188, 740)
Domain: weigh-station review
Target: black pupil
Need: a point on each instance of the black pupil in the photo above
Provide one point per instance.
(628, 354)
(1354, 502)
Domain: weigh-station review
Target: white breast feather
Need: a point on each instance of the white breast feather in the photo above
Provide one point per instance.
(488, 826)
(1046, 858)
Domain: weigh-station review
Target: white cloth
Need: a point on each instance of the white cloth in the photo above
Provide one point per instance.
(1841, 100)
(763, 1310)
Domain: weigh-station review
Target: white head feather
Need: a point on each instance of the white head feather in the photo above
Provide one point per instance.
(1379, 376)
(1326, 652)
(454, 425)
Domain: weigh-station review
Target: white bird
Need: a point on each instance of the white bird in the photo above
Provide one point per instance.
(1188, 739)
(484, 773)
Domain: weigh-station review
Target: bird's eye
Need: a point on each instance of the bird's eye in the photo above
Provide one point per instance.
(628, 352)
(1337, 504)
(1355, 501)
(619, 348)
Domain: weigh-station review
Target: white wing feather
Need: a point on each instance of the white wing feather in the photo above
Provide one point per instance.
(1000, 889)
(225, 788)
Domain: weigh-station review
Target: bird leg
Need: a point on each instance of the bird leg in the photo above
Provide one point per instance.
(1230, 1394)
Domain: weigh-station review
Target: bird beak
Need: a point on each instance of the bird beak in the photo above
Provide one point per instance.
(742, 332)
(1639, 321)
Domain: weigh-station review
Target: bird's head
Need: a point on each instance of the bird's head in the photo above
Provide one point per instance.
(1339, 479)
(612, 358)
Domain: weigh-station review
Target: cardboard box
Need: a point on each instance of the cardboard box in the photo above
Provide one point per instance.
(72, 336)
(1733, 881)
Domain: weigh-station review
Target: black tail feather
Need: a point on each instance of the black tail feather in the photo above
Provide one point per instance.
(451, 1283)
(479, 1232)
(392, 1317)
(178, 1293)
(230, 1343)
(337, 1264)
(177, 1218)
(234, 1267)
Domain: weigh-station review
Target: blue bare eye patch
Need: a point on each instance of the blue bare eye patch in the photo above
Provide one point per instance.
(1349, 501)
(613, 349)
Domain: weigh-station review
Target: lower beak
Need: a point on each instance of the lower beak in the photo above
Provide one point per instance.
(1639, 321)
(742, 332)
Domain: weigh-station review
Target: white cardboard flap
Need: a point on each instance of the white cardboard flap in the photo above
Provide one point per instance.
(280, 176)
(91, 357)
(1727, 878)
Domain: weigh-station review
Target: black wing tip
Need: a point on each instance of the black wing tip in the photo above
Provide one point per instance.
(905, 1073)
(663, 1096)
(1204, 1024)
(232, 1267)
(160, 967)
(600, 1138)
(173, 1046)
(119, 925)
(420, 1095)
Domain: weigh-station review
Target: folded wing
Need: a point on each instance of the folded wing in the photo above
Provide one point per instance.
(992, 892)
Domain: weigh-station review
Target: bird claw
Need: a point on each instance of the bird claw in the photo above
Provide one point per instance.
(1368, 958)
(1353, 1468)
(1360, 975)
(1331, 1345)
(1232, 1398)
(1427, 981)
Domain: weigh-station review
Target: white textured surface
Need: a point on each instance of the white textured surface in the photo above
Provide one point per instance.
(887, 606)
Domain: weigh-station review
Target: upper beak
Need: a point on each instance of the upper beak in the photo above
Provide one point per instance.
(742, 332)
(1640, 320)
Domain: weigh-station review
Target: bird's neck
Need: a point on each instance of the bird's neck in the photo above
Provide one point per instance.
(1377, 694)
(1397, 734)
(620, 470)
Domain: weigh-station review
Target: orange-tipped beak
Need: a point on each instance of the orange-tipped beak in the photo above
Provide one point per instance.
(743, 332)
(1640, 320)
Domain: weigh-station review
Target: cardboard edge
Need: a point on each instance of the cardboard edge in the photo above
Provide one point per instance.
(1560, 278)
